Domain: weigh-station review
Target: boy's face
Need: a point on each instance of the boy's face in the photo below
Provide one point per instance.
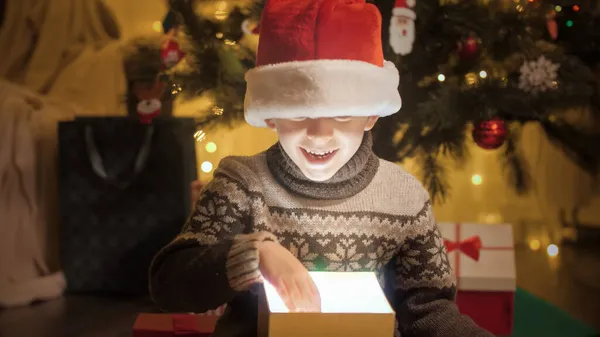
(321, 146)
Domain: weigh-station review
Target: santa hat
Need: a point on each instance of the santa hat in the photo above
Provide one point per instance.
(404, 8)
(320, 58)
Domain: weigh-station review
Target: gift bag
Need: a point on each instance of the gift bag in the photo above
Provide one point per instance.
(124, 193)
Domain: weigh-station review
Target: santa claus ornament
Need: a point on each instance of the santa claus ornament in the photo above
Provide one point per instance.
(149, 95)
(402, 27)
(170, 53)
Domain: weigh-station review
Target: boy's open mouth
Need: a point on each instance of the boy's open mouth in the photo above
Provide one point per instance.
(318, 157)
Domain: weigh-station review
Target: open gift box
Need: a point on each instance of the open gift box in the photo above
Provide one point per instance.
(483, 259)
(352, 305)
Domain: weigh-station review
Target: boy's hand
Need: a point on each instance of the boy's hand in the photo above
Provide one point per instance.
(291, 279)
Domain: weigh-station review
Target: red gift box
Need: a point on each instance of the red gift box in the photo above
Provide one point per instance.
(483, 259)
(171, 325)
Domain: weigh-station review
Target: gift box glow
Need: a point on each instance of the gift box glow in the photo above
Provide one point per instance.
(352, 304)
(483, 259)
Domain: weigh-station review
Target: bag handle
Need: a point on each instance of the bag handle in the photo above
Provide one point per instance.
(98, 164)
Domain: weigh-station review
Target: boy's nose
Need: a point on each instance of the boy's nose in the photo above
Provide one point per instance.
(319, 129)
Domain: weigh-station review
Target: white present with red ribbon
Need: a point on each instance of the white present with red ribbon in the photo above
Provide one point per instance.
(483, 259)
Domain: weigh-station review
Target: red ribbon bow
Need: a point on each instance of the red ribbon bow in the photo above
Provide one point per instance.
(471, 246)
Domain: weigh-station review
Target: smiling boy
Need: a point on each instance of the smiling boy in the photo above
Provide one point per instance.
(319, 199)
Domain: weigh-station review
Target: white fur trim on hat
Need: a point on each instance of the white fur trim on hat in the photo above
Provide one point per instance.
(403, 11)
(321, 88)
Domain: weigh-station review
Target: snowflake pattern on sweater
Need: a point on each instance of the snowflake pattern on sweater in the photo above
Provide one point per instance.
(387, 227)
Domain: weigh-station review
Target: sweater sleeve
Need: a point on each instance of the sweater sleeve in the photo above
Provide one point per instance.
(424, 285)
(214, 257)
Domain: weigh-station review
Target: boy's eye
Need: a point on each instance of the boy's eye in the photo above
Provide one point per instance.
(343, 119)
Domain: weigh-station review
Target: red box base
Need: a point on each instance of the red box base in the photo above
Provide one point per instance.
(163, 325)
(491, 310)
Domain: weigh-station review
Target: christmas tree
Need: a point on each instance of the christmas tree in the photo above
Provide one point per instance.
(471, 71)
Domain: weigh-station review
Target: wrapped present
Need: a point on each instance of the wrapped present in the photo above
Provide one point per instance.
(171, 325)
(483, 259)
(344, 311)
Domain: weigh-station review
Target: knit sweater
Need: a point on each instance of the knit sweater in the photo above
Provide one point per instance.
(371, 216)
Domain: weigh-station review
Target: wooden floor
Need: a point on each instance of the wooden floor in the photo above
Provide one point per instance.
(571, 281)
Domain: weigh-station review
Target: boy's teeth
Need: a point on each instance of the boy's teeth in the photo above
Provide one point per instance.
(319, 153)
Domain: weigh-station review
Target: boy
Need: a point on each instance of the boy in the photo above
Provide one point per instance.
(319, 199)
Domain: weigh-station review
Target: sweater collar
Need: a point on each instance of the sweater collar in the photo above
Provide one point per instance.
(349, 180)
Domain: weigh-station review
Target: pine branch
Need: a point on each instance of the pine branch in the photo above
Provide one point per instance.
(515, 166)
(434, 177)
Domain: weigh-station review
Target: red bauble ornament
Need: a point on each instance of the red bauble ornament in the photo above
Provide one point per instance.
(469, 48)
(490, 134)
(170, 53)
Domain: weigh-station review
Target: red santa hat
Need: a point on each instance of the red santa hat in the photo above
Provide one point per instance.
(404, 8)
(320, 58)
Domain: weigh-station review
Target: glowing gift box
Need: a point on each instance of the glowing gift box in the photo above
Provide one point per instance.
(352, 305)
(483, 259)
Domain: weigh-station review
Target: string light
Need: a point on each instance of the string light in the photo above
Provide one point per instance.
(471, 78)
(569, 23)
(476, 179)
(211, 147)
(219, 35)
(535, 244)
(576, 8)
(206, 167)
(175, 88)
(157, 26)
(441, 77)
(552, 250)
(199, 135)
(217, 110)
(558, 8)
(483, 74)
(221, 12)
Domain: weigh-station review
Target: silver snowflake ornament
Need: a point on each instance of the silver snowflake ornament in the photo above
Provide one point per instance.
(538, 76)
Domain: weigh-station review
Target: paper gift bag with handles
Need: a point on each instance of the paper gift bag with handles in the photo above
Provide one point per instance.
(124, 194)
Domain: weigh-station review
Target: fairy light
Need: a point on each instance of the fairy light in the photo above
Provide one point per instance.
(483, 74)
(576, 8)
(206, 167)
(552, 250)
(219, 35)
(211, 147)
(558, 8)
(221, 12)
(441, 77)
(471, 79)
(535, 244)
(199, 135)
(476, 179)
(157, 26)
(217, 110)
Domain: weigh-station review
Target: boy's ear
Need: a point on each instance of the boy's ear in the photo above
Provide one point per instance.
(271, 124)
(371, 122)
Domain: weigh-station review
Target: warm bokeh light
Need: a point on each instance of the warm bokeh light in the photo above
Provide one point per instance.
(535, 244)
(483, 74)
(199, 135)
(211, 147)
(206, 167)
(476, 179)
(157, 26)
(552, 250)
(441, 77)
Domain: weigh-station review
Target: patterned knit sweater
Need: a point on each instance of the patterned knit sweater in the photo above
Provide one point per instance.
(371, 216)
